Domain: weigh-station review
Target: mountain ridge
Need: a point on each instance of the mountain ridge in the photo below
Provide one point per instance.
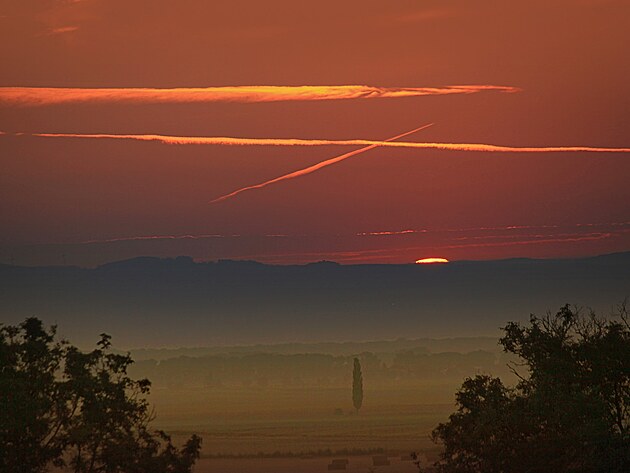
(151, 301)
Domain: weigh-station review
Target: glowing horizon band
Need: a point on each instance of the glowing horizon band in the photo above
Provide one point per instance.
(133, 238)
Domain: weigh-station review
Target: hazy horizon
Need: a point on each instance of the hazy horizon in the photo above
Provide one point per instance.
(156, 302)
(12, 262)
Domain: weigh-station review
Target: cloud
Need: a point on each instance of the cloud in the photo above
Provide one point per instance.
(608, 229)
(427, 242)
(389, 254)
(161, 237)
(37, 96)
(62, 30)
(508, 229)
(536, 240)
(156, 237)
(426, 15)
(391, 232)
(368, 144)
(232, 141)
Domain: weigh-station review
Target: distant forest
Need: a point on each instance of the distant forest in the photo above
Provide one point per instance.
(408, 366)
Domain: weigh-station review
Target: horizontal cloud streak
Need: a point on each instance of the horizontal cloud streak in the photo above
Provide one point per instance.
(506, 228)
(62, 30)
(536, 241)
(155, 237)
(390, 233)
(609, 228)
(231, 141)
(35, 96)
(360, 255)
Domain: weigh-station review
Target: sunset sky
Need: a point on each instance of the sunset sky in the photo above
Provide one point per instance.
(239, 130)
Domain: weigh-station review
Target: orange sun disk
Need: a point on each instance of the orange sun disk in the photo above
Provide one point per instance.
(431, 260)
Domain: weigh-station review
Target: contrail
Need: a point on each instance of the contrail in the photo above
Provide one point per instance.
(38, 96)
(387, 253)
(313, 168)
(588, 237)
(155, 237)
(391, 232)
(232, 141)
(618, 228)
(503, 228)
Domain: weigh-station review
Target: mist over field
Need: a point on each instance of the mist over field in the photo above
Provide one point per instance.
(294, 400)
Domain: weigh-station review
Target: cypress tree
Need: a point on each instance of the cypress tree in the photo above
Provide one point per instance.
(357, 385)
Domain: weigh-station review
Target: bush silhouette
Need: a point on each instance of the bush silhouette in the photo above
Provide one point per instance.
(569, 412)
(60, 406)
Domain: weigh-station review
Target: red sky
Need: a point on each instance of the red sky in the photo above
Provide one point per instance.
(278, 70)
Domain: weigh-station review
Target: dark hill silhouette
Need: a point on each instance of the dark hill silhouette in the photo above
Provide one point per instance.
(151, 301)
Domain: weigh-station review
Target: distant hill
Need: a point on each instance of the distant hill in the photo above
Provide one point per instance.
(176, 302)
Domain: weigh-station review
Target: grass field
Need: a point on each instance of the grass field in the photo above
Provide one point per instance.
(249, 424)
(306, 465)
(278, 429)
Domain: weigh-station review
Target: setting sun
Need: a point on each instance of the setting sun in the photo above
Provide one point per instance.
(431, 260)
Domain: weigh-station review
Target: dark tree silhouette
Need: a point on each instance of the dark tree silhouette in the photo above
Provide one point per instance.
(60, 406)
(32, 409)
(570, 411)
(357, 385)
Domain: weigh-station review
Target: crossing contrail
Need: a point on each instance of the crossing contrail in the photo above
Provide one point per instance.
(315, 167)
(367, 145)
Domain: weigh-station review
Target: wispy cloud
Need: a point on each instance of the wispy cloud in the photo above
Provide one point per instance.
(535, 240)
(350, 248)
(503, 229)
(391, 232)
(156, 237)
(607, 228)
(62, 30)
(34, 96)
(389, 253)
(402, 253)
(233, 141)
(426, 15)
(313, 168)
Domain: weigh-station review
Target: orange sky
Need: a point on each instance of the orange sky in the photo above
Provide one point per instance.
(325, 70)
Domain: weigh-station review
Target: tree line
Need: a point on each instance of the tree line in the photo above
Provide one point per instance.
(315, 369)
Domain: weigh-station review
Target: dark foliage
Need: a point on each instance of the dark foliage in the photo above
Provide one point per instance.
(570, 412)
(60, 406)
